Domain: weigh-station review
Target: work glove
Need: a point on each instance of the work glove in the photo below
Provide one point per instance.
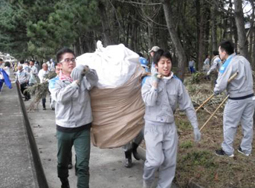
(79, 72)
(85, 70)
(155, 79)
(197, 134)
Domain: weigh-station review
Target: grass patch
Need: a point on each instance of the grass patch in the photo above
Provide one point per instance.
(186, 144)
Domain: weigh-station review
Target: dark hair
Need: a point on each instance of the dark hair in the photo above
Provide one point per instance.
(228, 46)
(1, 59)
(7, 64)
(140, 54)
(215, 52)
(22, 61)
(161, 53)
(63, 51)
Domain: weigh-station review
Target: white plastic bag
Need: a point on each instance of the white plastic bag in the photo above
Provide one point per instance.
(114, 64)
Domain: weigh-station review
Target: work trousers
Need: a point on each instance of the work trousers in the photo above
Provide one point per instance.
(81, 142)
(161, 152)
(23, 87)
(237, 111)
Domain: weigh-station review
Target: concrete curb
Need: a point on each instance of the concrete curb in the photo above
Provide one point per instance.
(41, 178)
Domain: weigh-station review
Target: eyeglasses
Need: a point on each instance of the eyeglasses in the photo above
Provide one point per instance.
(68, 60)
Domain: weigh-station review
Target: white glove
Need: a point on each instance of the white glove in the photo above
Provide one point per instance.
(208, 73)
(197, 134)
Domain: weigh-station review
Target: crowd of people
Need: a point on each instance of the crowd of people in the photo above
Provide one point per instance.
(162, 93)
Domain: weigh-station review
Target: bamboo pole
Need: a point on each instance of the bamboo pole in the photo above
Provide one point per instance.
(214, 113)
(211, 96)
(205, 102)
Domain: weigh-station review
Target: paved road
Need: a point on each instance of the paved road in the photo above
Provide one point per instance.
(16, 166)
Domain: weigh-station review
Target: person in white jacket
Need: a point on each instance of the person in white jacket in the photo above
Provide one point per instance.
(73, 116)
(161, 97)
(42, 76)
(240, 104)
(216, 63)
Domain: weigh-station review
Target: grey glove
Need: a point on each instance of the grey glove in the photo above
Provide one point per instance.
(197, 134)
(155, 78)
(79, 72)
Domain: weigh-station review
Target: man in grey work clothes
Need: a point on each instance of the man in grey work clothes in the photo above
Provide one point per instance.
(161, 97)
(73, 116)
(240, 104)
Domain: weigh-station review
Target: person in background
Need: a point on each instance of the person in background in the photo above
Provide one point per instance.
(7, 66)
(133, 145)
(240, 105)
(1, 74)
(216, 63)
(42, 74)
(191, 66)
(162, 93)
(26, 66)
(33, 73)
(52, 83)
(73, 116)
(22, 77)
(152, 52)
(51, 65)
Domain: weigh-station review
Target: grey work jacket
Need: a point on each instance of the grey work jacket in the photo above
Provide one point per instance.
(73, 106)
(161, 103)
(242, 85)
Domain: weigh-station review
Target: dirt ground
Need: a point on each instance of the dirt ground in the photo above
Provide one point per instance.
(197, 162)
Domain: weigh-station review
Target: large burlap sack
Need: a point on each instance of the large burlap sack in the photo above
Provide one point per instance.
(117, 113)
(117, 105)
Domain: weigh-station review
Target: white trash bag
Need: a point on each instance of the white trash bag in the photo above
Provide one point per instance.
(114, 64)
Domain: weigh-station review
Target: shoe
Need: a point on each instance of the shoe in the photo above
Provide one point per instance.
(220, 152)
(44, 108)
(128, 161)
(134, 151)
(70, 166)
(242, 152)
(65, 183)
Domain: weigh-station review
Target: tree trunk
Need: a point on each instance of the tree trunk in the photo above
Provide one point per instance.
(107, 39)
(201, 36)
(214, 28)
(198, 32)
(252, 35)
(182, 60)
(253, 61)
(162, 31)
(239, 18)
